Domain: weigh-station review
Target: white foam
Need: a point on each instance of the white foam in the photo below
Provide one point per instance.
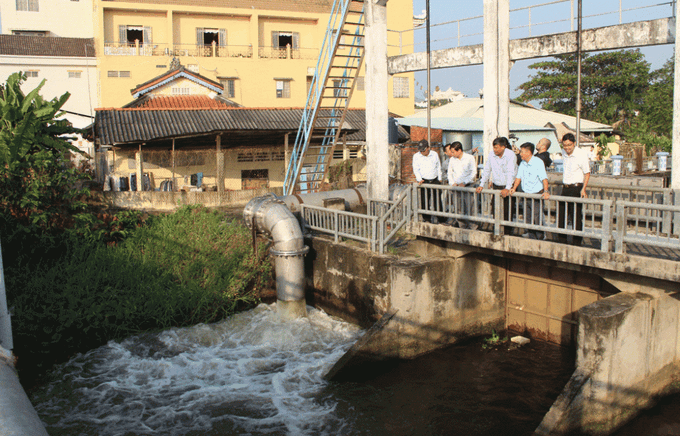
(252, 373)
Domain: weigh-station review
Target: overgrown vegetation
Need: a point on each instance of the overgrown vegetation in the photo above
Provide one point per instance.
(76, 276)
(75, 293)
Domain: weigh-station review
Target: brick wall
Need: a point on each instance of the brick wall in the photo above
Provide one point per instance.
(420, 133)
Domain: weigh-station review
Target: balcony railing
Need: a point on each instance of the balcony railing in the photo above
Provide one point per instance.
(288, 53)
(193, 50)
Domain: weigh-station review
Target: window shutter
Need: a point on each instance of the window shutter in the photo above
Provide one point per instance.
(199, 36)
(275, 39)
(296, 40)
(223, 37)
(122, 34)
(147, 35)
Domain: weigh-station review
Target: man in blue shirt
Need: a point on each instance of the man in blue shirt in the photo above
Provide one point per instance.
(534, 180)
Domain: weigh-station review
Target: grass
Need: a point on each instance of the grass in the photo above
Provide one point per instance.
(67, 296)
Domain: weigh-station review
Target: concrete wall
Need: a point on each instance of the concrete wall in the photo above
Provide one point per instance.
(167, 201)
(627, 354)
(438, 299)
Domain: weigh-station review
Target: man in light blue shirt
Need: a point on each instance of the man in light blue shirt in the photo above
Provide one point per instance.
(534, 180)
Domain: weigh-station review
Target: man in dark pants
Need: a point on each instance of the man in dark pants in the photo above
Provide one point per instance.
(574, 182)
(427, 169)
(502, 167)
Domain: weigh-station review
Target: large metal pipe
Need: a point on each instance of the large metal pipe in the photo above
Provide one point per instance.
(17, 416)
(274, 216)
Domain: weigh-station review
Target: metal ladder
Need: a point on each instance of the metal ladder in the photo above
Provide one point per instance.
(341, 58)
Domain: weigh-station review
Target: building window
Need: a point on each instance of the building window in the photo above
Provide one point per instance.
(32, 73)
(283, 39)
(229, 87)
(193, 68)
(74, 74)
(181, 91)
(130, 34)
(30, 32)
(360, 83)
(118, 74)
(283, 88)
(27, 5)
(400, 87)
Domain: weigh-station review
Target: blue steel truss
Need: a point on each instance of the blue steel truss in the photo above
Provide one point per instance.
(341, 58)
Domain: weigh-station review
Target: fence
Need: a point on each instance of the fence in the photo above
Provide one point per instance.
(647, 219)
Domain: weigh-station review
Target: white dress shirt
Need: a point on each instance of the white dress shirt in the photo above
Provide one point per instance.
(427, 167)
(462, 170)
(501, 169)
(575, 166)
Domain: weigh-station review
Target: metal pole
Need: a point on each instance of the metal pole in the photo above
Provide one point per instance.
(5, 317)
(578, 77)
(427, 21)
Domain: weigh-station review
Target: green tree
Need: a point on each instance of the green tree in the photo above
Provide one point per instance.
(612, 84)
(658, 101)
(36, 178)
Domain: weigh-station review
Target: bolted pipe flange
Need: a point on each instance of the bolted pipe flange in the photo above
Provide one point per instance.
(291, 253)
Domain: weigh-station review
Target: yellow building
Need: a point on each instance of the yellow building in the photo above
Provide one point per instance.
(264, 52)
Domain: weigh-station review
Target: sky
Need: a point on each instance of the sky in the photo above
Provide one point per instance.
(552, 17)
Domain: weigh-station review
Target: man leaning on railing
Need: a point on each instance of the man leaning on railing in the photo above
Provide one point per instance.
(534, 180)
(461, 171)
(502, 167)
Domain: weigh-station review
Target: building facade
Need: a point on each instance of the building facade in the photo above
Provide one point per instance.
(264, 53)
(61, 18)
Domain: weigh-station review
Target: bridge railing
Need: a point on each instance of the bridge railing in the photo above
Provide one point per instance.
(649, 224)
(349, 225)
(488, 207)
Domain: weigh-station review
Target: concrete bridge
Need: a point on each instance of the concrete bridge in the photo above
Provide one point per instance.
(616, 298)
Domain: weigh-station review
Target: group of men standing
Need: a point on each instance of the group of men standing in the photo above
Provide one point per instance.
(509, 172)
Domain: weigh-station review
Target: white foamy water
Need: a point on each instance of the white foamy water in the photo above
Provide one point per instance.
(250, 374)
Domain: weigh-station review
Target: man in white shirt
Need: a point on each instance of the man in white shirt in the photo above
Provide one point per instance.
(461, 172)
(574, 183)
(427, 169)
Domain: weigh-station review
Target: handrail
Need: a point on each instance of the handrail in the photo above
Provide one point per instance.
(350, 225)
(403, 201)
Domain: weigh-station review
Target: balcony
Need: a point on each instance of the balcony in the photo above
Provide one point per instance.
(288, 53)
(194, 50)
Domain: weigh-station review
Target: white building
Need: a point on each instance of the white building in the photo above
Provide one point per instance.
(63, 18)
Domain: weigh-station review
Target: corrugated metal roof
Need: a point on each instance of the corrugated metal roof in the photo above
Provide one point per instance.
(125, 126)
(464, 124)
(518, 112)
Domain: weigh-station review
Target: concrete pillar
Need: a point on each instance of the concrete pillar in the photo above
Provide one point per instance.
(140, 170)
(219, 163)
(375, 56)
(496, 69)
(675, 152)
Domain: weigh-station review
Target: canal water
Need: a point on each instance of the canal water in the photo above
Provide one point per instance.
(254, 375)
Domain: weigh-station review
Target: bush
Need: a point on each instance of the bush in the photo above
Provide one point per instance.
(75, 293)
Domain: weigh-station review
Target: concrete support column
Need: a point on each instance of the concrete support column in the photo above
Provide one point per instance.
(675, 152)
(140, 170)
(376, 79)
(170, 30)
(496, 69)
(219, 163)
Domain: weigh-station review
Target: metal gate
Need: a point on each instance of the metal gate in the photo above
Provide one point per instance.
(543, 302)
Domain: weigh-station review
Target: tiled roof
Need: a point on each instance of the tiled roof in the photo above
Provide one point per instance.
(22, 45)
(171, 75)
(181, 102)
(320, 6)
(121, 126)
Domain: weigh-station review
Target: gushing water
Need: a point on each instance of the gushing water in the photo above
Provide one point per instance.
(250, 374)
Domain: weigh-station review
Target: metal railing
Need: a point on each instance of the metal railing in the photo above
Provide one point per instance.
(214, 50)
(288, 53)
(533, 20)
(610, 218)
(648, 224)
(350, 225)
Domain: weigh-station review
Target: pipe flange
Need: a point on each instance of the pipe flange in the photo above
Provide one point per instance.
(292, 253)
